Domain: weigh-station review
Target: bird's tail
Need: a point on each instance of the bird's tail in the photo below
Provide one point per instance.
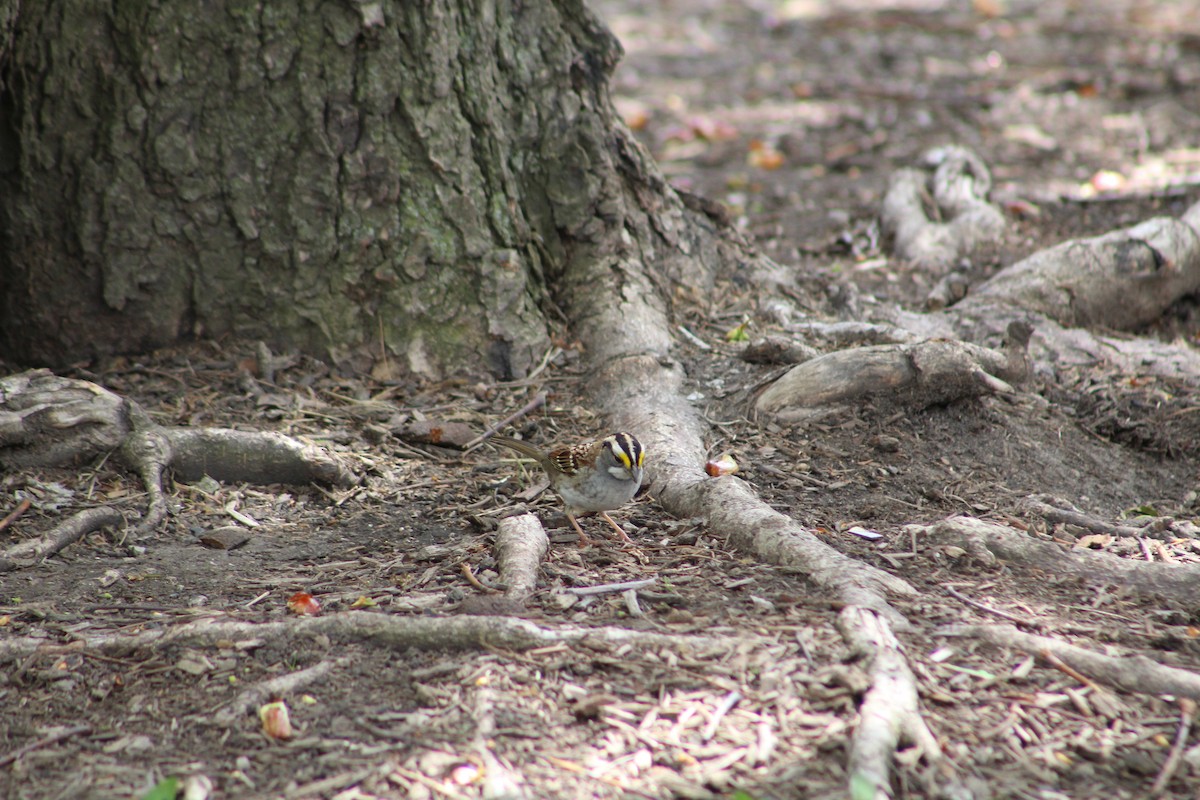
(524, 448)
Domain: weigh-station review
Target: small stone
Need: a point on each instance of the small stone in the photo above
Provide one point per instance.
(226, 538)
(885, 444)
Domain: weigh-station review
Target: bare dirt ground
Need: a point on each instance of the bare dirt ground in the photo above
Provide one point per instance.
(793, 116)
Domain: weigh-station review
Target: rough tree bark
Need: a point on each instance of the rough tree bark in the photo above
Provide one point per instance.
(389, 179)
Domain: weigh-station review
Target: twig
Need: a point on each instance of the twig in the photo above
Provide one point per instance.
(471, 579)
(428, 783)
(710, 730)
(1072, 517)
(1145, 548)
(766, 742)
(45, 741)
(950, 590)
(65, 533)
(248, 521)
(331, 784)
(631, 603)
(538, 400)
(1187, 715)
(1067, 669)
(258, 599)
(551, 353)
(1163, 553)
(694, 339)
(608, 588)
(13, 515)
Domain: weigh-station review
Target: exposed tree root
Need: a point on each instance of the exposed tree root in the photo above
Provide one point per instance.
(31, 551)
(1120, 280)
(917, 374)
(890, 712)
(992, 542)
(669, 429)
(46, 420)
(1135, 674)
(443, 633)
(252, 456)
(956, 183)
(639, 388)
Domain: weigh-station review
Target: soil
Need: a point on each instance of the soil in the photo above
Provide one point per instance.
(792, 115)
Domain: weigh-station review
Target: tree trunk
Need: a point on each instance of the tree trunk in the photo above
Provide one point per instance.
(408, 182)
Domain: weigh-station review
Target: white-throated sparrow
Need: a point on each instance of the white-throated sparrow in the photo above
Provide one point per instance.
(592, 476)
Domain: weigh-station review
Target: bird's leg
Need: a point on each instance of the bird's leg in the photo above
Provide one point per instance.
(624, 536)
(584, 541)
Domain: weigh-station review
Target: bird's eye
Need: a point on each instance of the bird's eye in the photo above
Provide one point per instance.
(621, 456)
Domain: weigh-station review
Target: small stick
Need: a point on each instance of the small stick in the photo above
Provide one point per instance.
(428, 783)
(694, 339)
(538, 400)
(1163, 552)
(471, 579)
(710, 730)
(950, 590)
(631, 603)
(45, 741)
(1145, 548)
(258, 599)
(21, 508)
(1071, 517)
(330, 785)
(1187, 714)
(584, 591)
(551, 353)
(1066, 668)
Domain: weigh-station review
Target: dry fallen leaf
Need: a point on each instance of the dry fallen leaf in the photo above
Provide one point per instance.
(764, 156)
(713, 130)
(303, 603)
